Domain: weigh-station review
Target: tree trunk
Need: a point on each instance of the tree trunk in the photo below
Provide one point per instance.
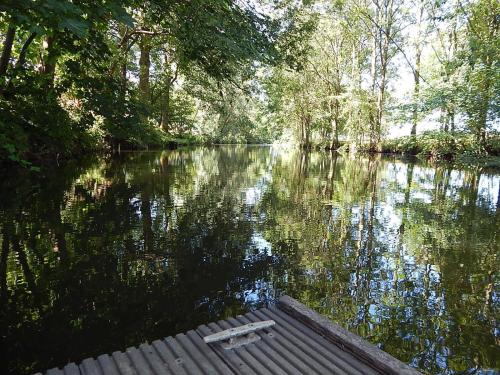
(124, 46)
(165, 105)
(373, 62)
(165, 98)
(123, 76)
(335, 124)
(481, 124)
(335, 137)
(416, 91)
(373, 72)
(144, 65)
(381, 97)
(387, 18)
(452, 120)
(7, 50)
(49, 63)
(416, 73)
(380, 108)
(485, 104)
(445, 119)
(22, 55)
(307, 130)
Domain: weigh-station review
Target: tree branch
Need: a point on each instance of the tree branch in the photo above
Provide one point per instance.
(398, 47)
(22, 55)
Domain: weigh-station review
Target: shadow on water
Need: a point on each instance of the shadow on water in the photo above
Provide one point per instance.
(112, 252)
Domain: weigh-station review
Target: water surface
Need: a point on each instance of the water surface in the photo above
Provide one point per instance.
(101, 255)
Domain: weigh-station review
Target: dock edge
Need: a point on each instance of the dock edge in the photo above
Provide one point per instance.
(361, 348)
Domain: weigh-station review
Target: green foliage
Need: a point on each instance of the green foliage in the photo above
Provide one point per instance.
(67, 71)
(442, 145)
(35, 123)
(345, 89)
(13, 142)
(78, 76)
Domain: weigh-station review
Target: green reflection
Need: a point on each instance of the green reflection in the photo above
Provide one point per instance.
(111, 252)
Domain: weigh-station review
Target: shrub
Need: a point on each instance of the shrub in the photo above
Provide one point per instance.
(438, 144)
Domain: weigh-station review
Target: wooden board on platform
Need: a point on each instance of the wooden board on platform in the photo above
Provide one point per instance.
(299, 342)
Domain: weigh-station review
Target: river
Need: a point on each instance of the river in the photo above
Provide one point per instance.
(107, 253)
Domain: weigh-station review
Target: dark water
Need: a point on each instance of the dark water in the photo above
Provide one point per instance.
(109, 253)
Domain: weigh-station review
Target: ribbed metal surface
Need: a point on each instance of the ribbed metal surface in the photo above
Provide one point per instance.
(183, 354)
(290, 347)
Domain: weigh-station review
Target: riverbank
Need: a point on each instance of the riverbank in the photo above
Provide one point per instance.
(89, 144)
(444, 145)
(459, 148)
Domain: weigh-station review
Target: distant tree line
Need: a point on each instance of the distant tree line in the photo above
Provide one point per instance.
(76, 76)
(346, 87)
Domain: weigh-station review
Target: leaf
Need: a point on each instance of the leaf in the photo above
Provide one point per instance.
(75, 26)
(121, 15)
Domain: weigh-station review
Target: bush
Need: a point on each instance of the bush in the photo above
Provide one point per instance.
(438, 144)
(35, 125)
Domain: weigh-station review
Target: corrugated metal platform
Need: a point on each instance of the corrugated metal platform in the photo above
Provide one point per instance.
(300, 342)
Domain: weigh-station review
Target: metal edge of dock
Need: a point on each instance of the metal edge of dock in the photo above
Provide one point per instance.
(361, 348)
(301, 341)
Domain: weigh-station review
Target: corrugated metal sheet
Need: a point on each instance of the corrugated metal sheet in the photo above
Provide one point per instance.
(183, 354)
(289, 347)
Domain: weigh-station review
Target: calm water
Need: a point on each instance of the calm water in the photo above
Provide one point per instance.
(109, 253)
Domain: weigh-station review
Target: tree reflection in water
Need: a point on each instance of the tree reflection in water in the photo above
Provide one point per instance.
(108, 253)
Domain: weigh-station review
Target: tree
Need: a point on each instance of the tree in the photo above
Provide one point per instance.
(481, 66)
(111, 72)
